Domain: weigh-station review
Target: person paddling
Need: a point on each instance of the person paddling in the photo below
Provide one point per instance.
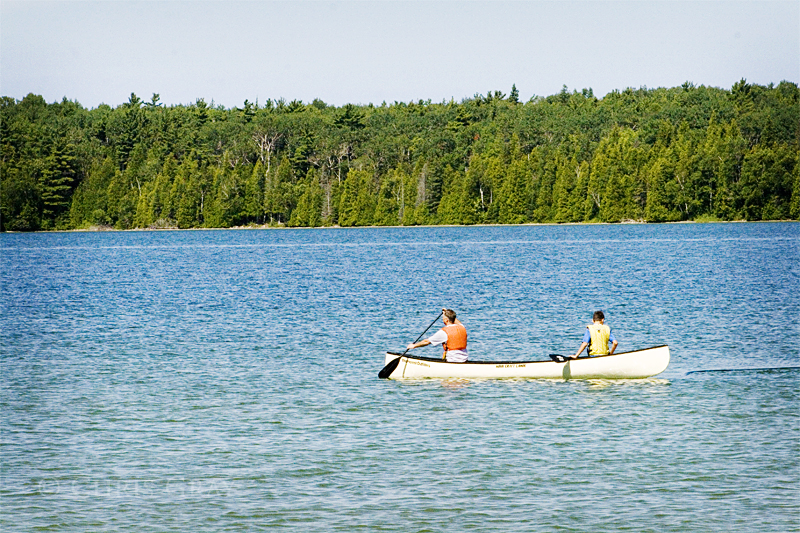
(597, 336)
(452, 337)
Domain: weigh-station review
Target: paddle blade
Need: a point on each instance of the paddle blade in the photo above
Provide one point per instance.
(389, 368)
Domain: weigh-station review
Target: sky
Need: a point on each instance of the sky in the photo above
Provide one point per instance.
(383, 51)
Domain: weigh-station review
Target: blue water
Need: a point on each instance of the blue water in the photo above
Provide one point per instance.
(227, 380)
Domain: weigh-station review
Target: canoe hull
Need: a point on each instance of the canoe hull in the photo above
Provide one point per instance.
(638, 364)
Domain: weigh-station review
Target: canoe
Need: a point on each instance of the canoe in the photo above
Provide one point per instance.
(636, 364)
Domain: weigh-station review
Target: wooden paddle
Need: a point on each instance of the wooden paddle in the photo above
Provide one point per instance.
(389, 368)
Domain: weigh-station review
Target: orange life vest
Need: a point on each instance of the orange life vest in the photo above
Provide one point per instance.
(456, 337)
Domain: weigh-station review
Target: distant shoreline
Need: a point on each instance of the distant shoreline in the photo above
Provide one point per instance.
(108, 229)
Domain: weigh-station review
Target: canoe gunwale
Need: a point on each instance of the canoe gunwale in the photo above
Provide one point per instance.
(468, 362)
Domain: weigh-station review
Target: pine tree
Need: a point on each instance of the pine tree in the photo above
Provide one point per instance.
(493, 178)
(365, 200)
(579, 192)
(163, 214)
(308, 212)
(657, 174)
(451, 209)
(348, 200)
(562, 190)
(420, 215)
(407, 195)
(57, 181)
(121, 201)
(144, 216)
(387, 210)
(90, 201)
(254, 194)
(512, 205)
(278, 193)
(188, 195)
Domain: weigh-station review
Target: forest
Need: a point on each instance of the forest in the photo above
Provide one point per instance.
(688, 153)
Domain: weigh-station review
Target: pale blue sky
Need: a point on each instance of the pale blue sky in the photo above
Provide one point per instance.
(362, 52)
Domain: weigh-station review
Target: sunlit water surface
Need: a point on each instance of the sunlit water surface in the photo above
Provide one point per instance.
(227, 380)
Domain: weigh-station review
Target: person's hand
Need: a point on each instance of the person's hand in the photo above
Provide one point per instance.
(411, 346)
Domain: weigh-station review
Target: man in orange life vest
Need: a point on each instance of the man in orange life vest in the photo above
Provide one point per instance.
(452, 337)
(596, 337)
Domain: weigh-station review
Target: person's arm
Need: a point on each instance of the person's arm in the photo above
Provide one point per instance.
(437, 338)
(583, 346)
(586, 338)
(613, 347)
(420, 344)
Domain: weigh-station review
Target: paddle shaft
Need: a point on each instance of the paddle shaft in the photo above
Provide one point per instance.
(424, 332)
(391, 365)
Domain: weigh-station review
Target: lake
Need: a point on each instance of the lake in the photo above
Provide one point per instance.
(227, 380)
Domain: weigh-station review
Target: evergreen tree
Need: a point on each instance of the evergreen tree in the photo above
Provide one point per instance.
(278, 193)
(121, 198)
(144, 216)
(512, 205)
(308, 212)
(19, 202)
(160, 206)
(387, 210)
(188, 195)
(562, 191)
(450, 209)
(90, 201)
(254, 193)
(686, 175)
(348, 213)
(493, 178)
(408, 196)
(58, 178)
(421, 214)
(227, 207)
(544, 180)
(657, 174)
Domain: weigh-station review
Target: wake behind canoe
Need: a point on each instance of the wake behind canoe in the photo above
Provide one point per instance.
(636, 364)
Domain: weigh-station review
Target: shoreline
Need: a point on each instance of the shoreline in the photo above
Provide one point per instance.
(109, 229)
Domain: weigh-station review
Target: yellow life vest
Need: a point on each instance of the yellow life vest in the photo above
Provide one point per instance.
(599, 334)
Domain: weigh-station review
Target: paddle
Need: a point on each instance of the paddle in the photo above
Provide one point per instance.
(389, 368)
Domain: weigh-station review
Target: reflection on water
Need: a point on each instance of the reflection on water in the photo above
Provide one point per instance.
(649, 384)
(455, 383)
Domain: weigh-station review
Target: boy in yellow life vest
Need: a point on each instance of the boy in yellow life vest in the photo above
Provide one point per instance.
(597, 336)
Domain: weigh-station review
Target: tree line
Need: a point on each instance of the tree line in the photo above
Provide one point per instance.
(656, 155)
